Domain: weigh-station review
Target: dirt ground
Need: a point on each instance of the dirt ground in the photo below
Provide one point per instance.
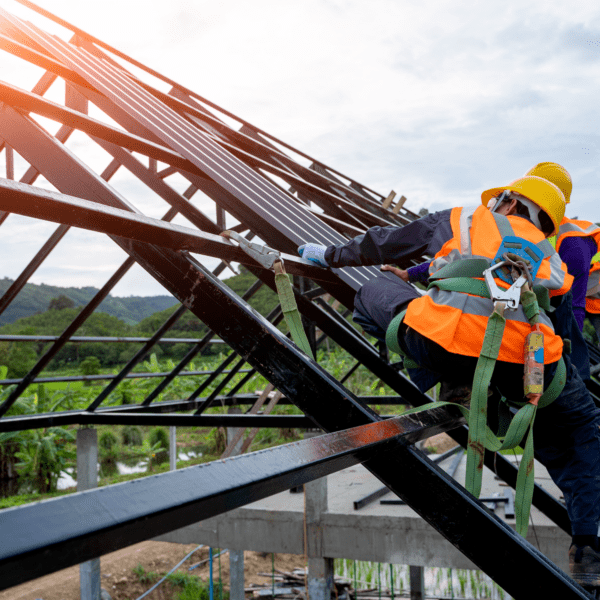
(121, 583)
(440, 443)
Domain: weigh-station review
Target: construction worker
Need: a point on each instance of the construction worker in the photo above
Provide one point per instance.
(592, 301)
(443, 332)
(578, 243)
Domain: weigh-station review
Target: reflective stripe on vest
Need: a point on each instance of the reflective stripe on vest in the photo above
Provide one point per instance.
(552, 274)
(466, 219)
(577, 228)
(457, 321)
(593, 285)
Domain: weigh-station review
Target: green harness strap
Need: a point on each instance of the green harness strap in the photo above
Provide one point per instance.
(517, 429)
(480, 435)
(460, 276)
(391, 341)
(269, 258)
(290, 309)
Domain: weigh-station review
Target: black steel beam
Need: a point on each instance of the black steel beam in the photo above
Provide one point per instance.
(112, 417)
(76, 339)
(44, 204)
(109, 376)
(42, 538)
(123, 415)
(29, 102)
(33, 265)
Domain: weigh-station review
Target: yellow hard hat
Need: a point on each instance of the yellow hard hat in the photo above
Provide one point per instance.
(540, 191)
(555, 174)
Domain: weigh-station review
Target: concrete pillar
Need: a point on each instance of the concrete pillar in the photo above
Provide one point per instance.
(320, 568)
(236, 575)
(172, 448)
(417, 583)
(87, 478)
(232, 431)
(236, 557)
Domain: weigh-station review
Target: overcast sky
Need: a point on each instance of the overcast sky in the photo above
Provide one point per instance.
(435, 99)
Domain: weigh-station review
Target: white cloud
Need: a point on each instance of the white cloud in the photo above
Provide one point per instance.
(435, 99)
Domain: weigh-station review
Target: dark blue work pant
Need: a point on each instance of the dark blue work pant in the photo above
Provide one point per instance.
(566, 433)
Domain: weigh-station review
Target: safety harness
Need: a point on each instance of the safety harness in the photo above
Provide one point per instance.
(516, 263)
(269, 258)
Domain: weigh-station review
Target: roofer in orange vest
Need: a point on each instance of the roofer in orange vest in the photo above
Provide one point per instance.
(592, 300)
(577, 243)
(444, 331)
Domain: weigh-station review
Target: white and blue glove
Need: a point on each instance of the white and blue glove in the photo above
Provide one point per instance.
(314, 252)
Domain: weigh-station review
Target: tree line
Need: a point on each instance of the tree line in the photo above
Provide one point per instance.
(20, 357)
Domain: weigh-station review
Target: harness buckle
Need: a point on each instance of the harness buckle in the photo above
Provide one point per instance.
(264, 255)
(511, 296)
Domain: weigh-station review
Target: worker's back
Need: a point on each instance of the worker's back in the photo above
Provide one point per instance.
(457, 320)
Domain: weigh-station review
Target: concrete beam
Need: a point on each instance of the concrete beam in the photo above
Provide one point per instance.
(386, 534)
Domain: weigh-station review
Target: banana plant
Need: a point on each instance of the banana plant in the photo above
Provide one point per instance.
(39, 456)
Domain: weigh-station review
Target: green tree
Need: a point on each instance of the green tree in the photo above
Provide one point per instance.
(61, 303)
(43, 454)
(90, 366)
(18, 357)
(159, 443)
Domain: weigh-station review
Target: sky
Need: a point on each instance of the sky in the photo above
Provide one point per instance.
(435, 99)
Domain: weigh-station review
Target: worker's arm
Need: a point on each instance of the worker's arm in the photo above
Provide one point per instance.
(576, 253)
(380, 245)
(417, 274)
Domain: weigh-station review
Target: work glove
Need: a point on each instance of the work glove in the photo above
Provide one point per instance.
(314, 252)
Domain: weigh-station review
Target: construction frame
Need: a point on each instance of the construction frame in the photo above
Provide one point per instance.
(273, 194)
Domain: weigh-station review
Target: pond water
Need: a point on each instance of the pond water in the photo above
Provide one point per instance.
(125, 467)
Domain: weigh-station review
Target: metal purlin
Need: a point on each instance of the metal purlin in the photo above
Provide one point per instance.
(233, 175)
(92, 41)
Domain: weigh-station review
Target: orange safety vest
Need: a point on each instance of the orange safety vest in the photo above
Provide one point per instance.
(457, 321)
(577, 228)
(592, 298)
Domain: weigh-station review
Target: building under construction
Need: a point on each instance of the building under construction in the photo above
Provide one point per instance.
(275, 198)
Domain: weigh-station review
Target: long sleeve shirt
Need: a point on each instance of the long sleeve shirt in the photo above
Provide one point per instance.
(419, 273)
(576, 252)
(382, 245)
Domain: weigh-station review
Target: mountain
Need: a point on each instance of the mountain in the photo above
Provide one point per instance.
(35, 299)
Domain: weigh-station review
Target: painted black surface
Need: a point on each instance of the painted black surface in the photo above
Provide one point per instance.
(54, 534)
